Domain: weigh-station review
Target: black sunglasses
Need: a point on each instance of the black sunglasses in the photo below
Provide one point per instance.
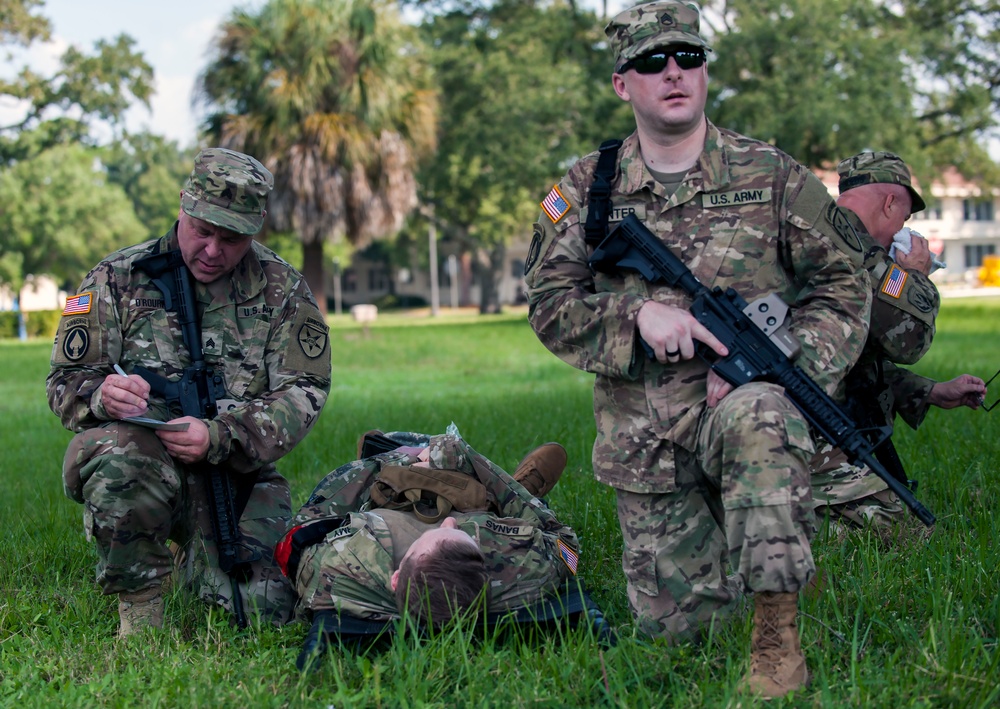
(655, 62)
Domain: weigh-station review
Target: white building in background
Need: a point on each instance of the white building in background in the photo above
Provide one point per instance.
(961, 227)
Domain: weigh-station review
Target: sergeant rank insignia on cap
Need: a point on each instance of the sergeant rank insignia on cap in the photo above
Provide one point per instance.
(78, 304)
(555, 205)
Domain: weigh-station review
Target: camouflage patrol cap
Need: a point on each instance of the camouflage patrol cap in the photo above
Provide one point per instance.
(652, 25)
(228, 189)
(878, 167)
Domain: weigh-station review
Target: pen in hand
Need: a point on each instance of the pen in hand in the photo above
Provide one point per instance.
(119, 370)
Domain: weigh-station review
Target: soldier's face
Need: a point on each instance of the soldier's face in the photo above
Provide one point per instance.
(671, 102)
(209, 251)
(430, 540)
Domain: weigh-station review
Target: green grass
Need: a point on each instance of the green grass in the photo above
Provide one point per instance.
(911, 623)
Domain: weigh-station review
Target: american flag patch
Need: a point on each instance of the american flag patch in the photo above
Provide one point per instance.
(893, 284)
(569, 557)
(78, 304)
(555, 205)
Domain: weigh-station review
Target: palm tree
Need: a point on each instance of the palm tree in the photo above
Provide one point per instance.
(335, 98)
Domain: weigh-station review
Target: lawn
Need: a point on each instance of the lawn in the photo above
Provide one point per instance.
(914, 622)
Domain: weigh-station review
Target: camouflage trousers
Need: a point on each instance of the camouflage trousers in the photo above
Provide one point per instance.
(136, 498)
(850, 493)
(739, 518)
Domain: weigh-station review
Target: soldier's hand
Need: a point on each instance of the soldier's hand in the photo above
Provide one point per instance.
(125, 396)
(919, 258)
(671, 332)
(963, 390)
(718, 388)
(188, 446)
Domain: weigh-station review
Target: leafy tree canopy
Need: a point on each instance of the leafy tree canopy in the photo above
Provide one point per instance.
(335, 98)
(824, 79)
(87, 89)
(61, 215)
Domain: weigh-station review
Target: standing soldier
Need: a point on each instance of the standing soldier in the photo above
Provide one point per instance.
(265, 346)
(712, 482)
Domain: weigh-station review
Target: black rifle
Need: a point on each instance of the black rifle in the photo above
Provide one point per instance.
(753, 355)
(195, 394)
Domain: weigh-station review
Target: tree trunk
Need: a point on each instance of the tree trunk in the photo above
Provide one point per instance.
(312, 269)
(490, 272)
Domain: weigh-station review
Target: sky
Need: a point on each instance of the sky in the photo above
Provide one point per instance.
(173, 36)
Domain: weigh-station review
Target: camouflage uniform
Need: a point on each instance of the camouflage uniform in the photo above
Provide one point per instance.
(528, 551)
(904, 307)
(697, 485)
(263, 332)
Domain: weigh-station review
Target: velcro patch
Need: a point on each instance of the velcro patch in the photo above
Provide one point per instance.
(621, 211)
(508, 530)
(555, 205)
(309, 349)
(569, 557)
(894, 282)
(78, 304)
(736, 198)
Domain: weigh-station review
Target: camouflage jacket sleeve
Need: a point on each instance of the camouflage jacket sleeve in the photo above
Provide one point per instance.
(88, 342)
(910, 393)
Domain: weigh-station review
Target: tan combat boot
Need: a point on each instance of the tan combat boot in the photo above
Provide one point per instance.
(777, 665)
(139, 610)
(540, 470)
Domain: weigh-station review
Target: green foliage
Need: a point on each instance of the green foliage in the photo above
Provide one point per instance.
(911, 621)
(8, 324)
(95, 87)
(42, 323)
(62, 215)
(824, 79)
(18, 24)
(335, 99)
(152, 170)
(525, 90)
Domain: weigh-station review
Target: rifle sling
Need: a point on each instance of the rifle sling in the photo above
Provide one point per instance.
(599, 197)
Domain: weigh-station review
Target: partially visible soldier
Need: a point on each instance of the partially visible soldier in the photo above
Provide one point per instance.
(458, 524)
(877, 196)
(260, 331)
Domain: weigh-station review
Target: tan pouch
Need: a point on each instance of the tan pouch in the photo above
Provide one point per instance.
(430, 493)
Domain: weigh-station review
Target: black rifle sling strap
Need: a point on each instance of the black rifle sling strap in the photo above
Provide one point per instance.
(599, 200)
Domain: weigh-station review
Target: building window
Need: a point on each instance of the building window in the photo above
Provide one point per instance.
(975, 210)
(932, 211)
(974, 254)
(378, 280)
(517, 268)
(350, 282)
